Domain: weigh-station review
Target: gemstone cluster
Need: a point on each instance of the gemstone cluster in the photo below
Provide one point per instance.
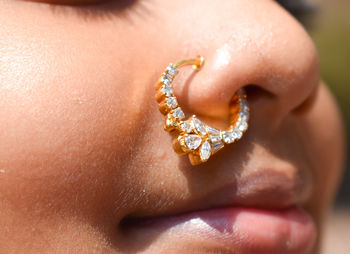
(195, 138)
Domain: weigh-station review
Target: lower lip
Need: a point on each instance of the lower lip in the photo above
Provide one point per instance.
(242, 230)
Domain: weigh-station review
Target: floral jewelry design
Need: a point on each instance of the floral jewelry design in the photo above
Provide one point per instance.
(193, 137)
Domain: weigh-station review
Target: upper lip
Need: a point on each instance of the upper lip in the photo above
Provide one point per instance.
(265, 189)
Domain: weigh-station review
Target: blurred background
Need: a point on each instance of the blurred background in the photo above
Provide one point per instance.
(330, 28)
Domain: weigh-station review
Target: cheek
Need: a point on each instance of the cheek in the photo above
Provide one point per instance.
(44, 114)
(73, 113)
(61, 101)
(323, 129)
(67, 125)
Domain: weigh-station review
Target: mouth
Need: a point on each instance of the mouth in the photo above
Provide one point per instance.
(259, 213)
(230, 229)
(268, 218)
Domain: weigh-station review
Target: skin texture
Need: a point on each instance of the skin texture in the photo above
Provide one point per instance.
(82, 145)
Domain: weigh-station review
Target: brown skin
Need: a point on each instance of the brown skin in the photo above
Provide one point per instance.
(82, 145)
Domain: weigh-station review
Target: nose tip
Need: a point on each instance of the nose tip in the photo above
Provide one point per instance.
(285, 66)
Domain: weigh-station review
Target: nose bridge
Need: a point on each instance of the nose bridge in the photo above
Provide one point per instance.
(279, 58)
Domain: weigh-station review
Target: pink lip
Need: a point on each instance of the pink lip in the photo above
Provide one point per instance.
(243, 230)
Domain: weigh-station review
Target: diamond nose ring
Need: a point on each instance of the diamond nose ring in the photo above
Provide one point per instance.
(193, 137)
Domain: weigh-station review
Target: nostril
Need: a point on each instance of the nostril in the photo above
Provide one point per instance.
(256, 92)
(263, 106)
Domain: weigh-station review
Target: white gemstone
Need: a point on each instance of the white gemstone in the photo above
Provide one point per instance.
(193, 141)
(187, 126)
(242, 126)
(167, 90)
(171, 69)
(236, 133)
(215, 138)
(178, 113)
(244, 116)
(205, 151)
(166, 80)
(200, 127)
(217, 146)
(171, 102)
(243, 102)
(228, 137)
(245, 109)
(213, 131)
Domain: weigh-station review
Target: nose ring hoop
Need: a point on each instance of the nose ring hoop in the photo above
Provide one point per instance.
(193, 137)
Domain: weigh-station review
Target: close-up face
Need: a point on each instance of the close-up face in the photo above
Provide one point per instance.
(85, 163)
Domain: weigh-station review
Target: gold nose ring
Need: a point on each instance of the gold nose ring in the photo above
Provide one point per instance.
(193, 137)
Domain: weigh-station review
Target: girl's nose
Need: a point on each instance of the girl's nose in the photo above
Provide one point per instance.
(274, 56)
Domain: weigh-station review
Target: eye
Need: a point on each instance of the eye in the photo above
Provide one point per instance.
(300, 9)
